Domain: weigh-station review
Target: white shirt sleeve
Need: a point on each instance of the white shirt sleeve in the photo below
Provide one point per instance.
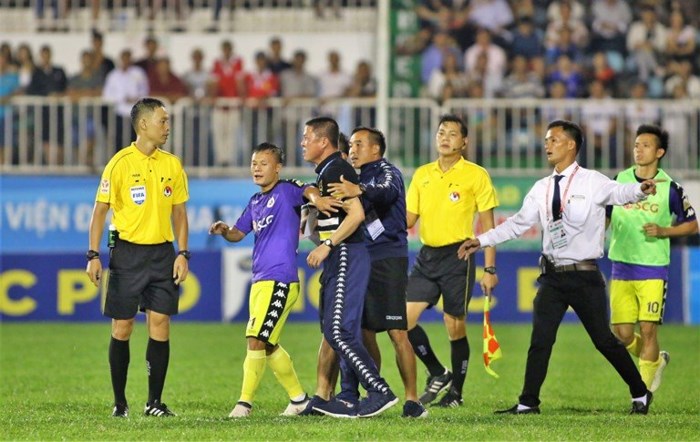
(516, 225)
(610, 192)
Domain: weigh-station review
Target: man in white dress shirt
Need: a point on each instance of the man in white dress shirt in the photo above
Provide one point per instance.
(570, 206)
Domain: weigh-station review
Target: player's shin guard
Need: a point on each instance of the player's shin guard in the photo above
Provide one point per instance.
(635, 347)
(157, 359)
(648, 369)
(253, 369)
(282, 366)
(118, 366)
(421, 347)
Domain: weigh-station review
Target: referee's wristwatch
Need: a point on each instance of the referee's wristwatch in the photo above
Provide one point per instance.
(491, 270)
(329, 243)
(185, 253)
(92, 254)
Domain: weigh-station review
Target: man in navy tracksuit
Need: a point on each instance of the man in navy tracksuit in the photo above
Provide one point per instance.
(346, 271)
(383, 195)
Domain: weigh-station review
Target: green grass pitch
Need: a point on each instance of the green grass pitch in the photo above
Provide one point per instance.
(54, 385)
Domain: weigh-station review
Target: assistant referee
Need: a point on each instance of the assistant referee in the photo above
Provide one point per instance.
(146, 188)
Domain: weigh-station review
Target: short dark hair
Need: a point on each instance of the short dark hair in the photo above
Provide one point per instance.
(325, 127)
(343, 144)
(452, 118)
(571, 129)
(272, 148)
(661, 135)
(375, 137)
(143, 106)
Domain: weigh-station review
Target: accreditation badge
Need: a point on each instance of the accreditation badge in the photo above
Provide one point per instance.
(557, 234)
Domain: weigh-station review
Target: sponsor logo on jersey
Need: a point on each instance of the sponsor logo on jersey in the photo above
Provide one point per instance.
(104, 186)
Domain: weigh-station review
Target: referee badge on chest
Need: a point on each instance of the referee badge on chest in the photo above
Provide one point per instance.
(454, 196)
(138, 194)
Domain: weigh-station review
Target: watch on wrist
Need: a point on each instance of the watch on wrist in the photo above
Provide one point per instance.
(329, 243)
(92, 254)
(185, 253)
(490, 270)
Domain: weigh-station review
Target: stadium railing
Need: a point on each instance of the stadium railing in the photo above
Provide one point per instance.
(53, 135)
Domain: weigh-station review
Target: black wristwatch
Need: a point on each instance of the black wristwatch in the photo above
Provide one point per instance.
(92, 254)
(490, 270)
(185, 253)
(329, 243)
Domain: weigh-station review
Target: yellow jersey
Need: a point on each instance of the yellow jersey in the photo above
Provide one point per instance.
(142, 190)
(447, 202)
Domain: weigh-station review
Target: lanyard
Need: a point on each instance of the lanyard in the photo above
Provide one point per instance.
(563, 200)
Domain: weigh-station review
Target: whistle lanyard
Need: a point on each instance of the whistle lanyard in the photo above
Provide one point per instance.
(563, 200)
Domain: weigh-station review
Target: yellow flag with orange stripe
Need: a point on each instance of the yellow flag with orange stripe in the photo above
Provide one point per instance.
(492, 349)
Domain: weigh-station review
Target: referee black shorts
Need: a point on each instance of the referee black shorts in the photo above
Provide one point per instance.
(141, 278)
(439, 272)
(385, 301)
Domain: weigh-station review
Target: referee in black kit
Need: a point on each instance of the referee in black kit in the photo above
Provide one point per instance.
(570, 206)
(146, 188)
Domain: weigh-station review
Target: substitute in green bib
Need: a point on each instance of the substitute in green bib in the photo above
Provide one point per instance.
(641, 253)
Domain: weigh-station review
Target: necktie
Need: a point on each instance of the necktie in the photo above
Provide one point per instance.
(556, 199)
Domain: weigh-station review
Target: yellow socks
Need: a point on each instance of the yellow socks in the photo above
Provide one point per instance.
(648, 369)
(253, 369)
(635, 347)
(283, 368)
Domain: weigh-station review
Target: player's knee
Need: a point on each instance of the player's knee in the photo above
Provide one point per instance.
(256, 344)
(623, 334)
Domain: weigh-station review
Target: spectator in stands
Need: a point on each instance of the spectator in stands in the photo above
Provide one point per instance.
(25, 68)
(296, 82)
(638, 110)
(600, 70)
(646, 42)
(433, 56)
(261, 83)
(85, 84)
(567, 73)
(9, 86)
(162, 82)
(522, 83)
(226, 117)
(334, 81)
(684, 77)
(149, 61)
(599, 115)
(321, 5)
(49, 80)
(494, 15)
(496, 56)
(566, 19)
(274, 57)
(574, 11)
(6, 50)
(527, 40)
(124, 86)
(103, 64)
(678, 121)
(447, 82)
(611, 18)
(58, 19)
(363, 84)
(681, 38)
(564, 46)
(199, 81)
(200, 86)
(556, 108)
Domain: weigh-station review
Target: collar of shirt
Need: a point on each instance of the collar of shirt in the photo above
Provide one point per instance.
(372, 165)
(566, 172)
(322, 165)
(459, 165)
(154, 156)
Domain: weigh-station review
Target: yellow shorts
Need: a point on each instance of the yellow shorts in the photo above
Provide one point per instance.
(269, 305)
(635, 301)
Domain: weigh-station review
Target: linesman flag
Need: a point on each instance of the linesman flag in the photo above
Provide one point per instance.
(492, 349)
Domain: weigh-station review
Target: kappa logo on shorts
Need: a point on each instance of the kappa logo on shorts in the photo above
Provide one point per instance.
(167, 191)
(454, 196)
(138, 194)
(104, 186)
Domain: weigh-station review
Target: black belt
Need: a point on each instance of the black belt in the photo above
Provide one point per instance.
(588, 265)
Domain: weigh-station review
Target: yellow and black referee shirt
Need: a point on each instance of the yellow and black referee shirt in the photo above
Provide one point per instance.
(142, 191)
(447, 202)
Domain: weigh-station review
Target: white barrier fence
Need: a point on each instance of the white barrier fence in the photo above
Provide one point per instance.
(215, 138)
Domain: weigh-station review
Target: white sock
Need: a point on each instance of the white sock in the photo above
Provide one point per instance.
(299, 398)
(642, 399)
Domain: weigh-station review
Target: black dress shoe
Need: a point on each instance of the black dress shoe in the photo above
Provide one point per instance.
(514, 410)
(641, 408)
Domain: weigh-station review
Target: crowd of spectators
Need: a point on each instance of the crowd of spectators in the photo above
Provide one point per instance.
(528, 48)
